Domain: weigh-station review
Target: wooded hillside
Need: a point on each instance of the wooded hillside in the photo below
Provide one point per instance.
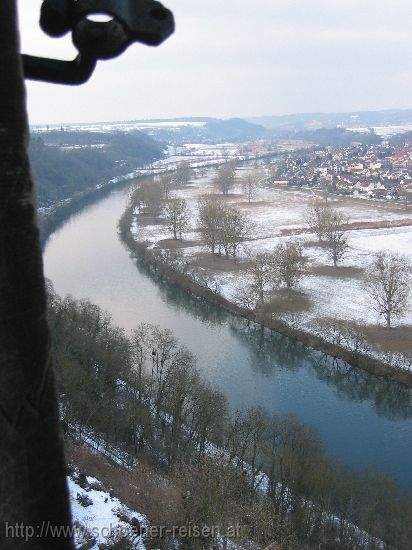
(65, 163)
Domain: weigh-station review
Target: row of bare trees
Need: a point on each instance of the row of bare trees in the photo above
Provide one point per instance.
(150, 194)
(148, 197)
(222, 227)
(250, 180)
(144, 395)
(284, 266)
(156, 197)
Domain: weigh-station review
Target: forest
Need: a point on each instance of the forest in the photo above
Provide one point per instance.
(143, 395)
(65, 163)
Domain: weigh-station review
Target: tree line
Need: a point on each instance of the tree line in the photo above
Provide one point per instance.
(222, 227)
(61, 173)
(144, 394)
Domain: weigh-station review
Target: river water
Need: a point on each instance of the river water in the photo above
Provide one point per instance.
(362, 420)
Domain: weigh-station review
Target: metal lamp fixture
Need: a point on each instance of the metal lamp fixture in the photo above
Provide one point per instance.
(96, 38)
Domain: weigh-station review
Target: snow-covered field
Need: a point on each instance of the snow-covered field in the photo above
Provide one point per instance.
(385, 131)
(345, 298)
(277, 212)
(127, 126)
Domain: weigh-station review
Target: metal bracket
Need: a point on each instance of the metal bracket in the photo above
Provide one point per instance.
(127, 21)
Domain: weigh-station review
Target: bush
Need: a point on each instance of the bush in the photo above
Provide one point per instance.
(84, 500)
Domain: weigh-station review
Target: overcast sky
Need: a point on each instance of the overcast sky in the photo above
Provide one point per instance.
(241, 58)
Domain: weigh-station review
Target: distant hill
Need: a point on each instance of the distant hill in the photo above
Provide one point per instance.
(233, 129)
(181, 119)
(212, 131)
(400, 139)
(337, 137)
(314, 121)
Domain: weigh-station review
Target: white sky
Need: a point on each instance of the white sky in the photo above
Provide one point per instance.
(241, 58)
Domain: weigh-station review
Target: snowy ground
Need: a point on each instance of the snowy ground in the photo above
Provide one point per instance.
(101, 518)
(385, 131)
(345, 298)
(278, 214)
(128, 126)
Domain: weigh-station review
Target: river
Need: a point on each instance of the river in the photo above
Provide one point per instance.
(363, 421)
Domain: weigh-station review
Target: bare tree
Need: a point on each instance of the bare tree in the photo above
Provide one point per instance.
(140, 357)
(250, 183)
(262, 274)
(233, 229)
(387, 282)
(330, 227)
(336, 237)
(405, 195)
(149, 195)
(222, 227)
(289, 263)
(167, 184)
(324, 184)
(177, 216)
(208, 416)
(225, 178)
(183, 174)
(210, 213)
(246, 439)
(317, 218)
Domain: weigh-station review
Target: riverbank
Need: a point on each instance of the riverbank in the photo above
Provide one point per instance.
(154, 263)
(252, 366)
(50, 220)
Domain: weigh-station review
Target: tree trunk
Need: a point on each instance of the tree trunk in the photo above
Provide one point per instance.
(261, 293)
(32, 482)
(388, 319)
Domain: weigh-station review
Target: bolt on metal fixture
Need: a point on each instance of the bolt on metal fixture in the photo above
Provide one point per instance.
(101, 29)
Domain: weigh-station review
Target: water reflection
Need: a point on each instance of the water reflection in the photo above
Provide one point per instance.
(183, 301)
(390, 399)
(268, 350)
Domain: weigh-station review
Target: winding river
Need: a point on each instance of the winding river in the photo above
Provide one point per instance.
(363, 421)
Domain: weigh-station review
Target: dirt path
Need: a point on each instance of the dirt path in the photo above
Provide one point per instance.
(357, 226)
